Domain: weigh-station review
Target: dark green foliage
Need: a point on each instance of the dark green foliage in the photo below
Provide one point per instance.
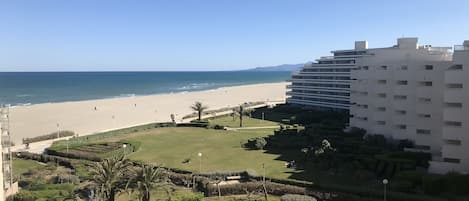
(45, 158)
(452, 182)
(218, 127)
(241, 188)
(257, 143)
(48, 137)
(411, 176)
(195, 123)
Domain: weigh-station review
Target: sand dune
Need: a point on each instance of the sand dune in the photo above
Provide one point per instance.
(82, 118)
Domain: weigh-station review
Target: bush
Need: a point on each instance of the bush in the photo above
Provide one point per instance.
(241, 188)
(293, 197)
(48, 137)
(218, 127)
(412, 176)
(433, 184)
(22, 196)
(257, 143)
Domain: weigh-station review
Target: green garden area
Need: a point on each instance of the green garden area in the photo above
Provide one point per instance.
(318, 154)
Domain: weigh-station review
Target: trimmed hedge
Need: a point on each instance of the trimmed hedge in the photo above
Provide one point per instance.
(48, 137)
(44, 158)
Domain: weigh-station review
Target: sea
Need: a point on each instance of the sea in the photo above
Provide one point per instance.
(26, 88)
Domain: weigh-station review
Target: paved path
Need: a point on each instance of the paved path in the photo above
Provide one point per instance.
(254, 127)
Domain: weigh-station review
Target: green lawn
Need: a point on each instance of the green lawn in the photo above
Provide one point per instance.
(21, 166)
(247, 122)
(221, 150)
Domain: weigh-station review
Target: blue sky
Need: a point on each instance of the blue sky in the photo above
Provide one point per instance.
(101, 35)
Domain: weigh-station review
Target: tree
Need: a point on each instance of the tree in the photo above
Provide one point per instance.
(199, 108)
(240, 112)
(146, 178)
(109, 176)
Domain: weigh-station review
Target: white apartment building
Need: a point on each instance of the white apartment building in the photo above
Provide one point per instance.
(455, 132)
(407, 91)
(326, 83)
(397, 92)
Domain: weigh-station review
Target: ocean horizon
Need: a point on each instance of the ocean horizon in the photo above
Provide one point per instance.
(26, 88)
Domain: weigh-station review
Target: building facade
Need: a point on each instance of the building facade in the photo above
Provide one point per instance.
(403, 92)
(455, 132)
(326, 83)
(397, 93)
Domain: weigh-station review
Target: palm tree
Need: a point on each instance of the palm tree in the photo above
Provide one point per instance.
(108, 176)
(199, 108)
(146, 178)
(240, 112)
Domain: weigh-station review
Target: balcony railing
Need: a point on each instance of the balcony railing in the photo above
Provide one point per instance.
(461, 48)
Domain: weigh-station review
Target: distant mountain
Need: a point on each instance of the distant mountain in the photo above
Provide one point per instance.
(283, 67)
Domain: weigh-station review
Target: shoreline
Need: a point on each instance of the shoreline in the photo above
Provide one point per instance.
(93, 116)
(135, 95)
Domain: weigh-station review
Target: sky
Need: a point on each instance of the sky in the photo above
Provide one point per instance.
(199, 35)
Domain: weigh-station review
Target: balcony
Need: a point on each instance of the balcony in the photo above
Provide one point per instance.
(461, 48)
(454, 76)
(451, 132)
(453, 114)
(454, 95)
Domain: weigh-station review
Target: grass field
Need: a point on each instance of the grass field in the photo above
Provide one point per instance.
(247, 122)
(221, 150)
(21, 166)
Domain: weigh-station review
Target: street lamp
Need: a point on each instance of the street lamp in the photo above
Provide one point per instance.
(263, 173)
(385, 182)
(58, 131)
(124, 146)
(200, 162)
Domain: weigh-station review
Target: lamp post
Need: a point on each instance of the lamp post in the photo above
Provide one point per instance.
(200, 162)
(385, 182)
(124, 146)
(263, 173)
(58, 131)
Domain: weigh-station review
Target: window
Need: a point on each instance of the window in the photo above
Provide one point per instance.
(456, 67)
(382, 81)
(422, 147)
(454, 86)
(453, 105)
(425, 100)
(402, 82)
(400, 97)
(453, 123)
(453, 142)
(382, 109)
(428, 67)
(401, 112)
(426, 83)
(424, 115)
(424, 131)
(381, 122)
(452, 160)
(382, 95)
(401, 126)
(365, 67)
(383, 67)
(404, 67)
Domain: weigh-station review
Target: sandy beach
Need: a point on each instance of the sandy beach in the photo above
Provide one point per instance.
(82, 117)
